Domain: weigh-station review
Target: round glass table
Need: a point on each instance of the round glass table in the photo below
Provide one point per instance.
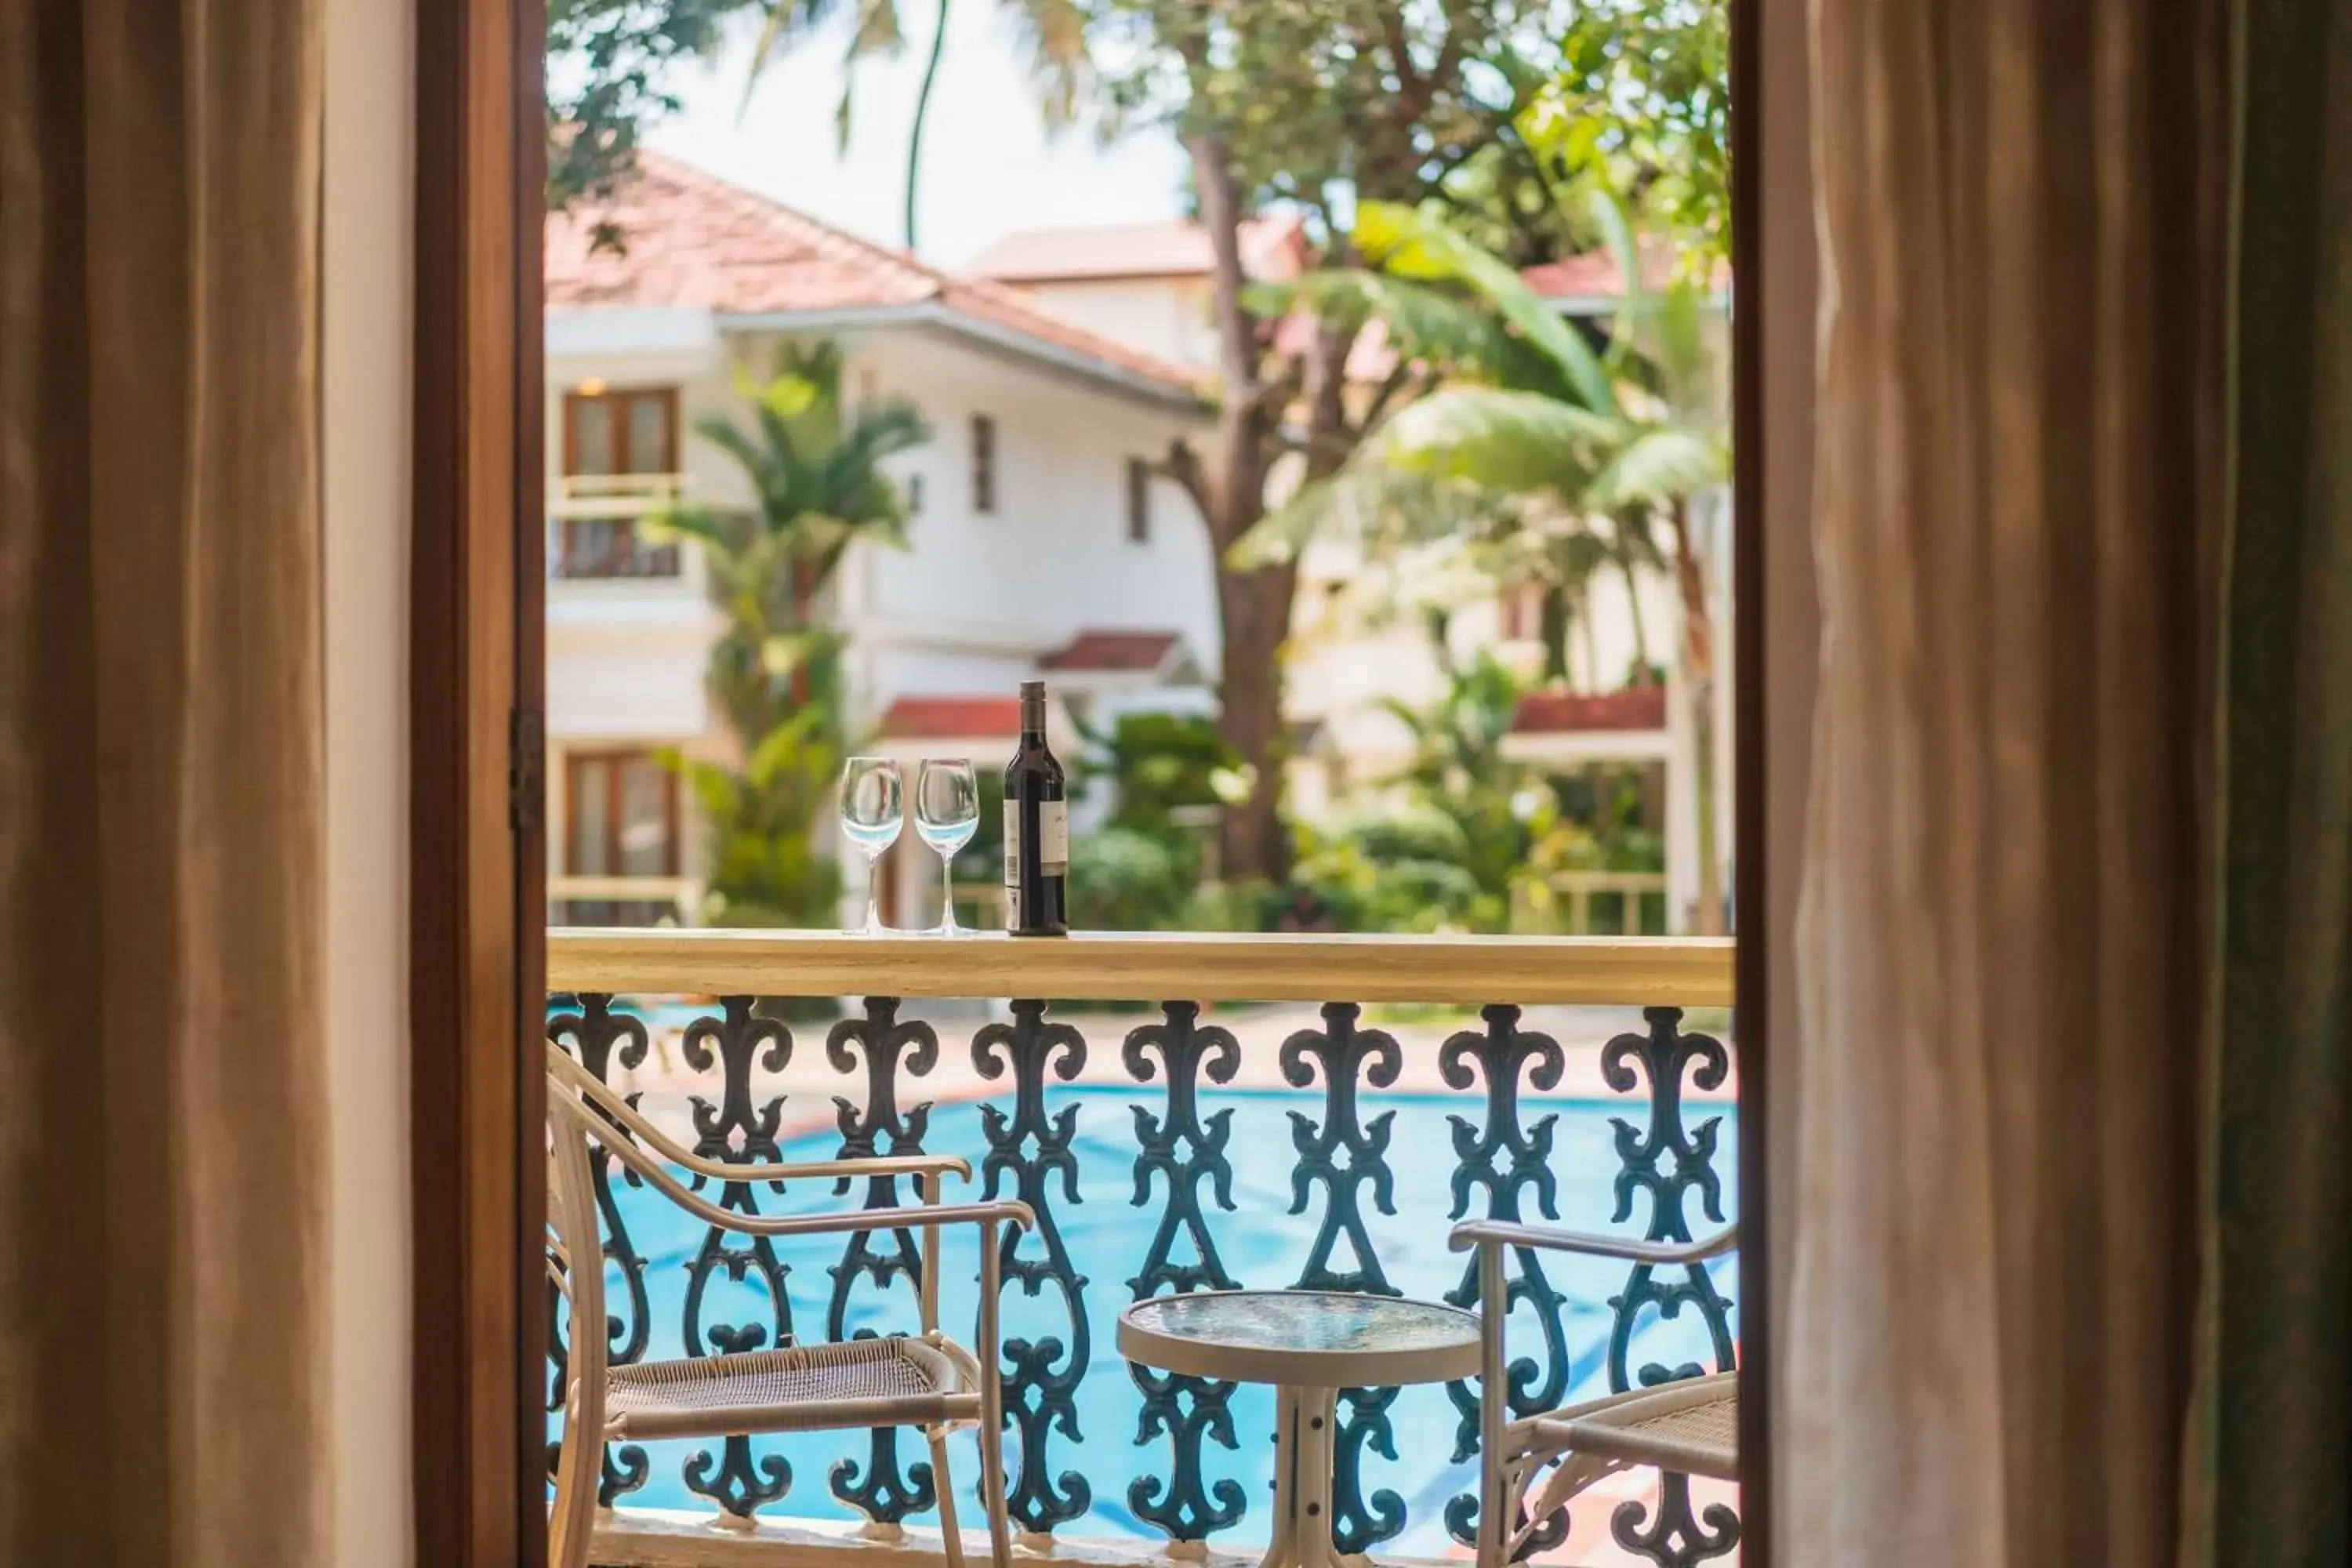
(1308, 1344)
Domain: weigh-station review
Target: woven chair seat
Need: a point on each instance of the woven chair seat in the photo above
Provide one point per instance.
(858, 1383)
(1692, 1427)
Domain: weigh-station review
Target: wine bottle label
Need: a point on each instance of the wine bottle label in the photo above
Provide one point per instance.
(1054, 837)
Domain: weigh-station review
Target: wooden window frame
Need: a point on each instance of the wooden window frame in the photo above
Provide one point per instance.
(478, 866)
(617, 756)
(983, 436)
(621, 400)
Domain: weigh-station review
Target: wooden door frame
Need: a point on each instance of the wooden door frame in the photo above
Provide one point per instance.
(477, 895)
(1751, 826)
(478, 855)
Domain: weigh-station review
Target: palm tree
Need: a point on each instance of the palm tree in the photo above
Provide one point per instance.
(815, 470)
(1055, 31)
(1630, 434)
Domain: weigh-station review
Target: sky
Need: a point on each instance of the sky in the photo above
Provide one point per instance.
(989, 164)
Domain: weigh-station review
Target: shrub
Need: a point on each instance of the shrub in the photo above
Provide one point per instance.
(1122, 878)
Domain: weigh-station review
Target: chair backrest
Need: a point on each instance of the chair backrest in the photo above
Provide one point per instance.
(572, 1215)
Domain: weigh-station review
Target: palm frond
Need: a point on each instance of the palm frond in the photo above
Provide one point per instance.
(1658, 465)
(1500, 439)
(1413, 244)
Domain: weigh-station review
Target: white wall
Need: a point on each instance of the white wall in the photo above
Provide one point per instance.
(1164, 316)
(366, 250)
(625, 657)
(978, 597)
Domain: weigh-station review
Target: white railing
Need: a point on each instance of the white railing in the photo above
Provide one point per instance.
(592, 526)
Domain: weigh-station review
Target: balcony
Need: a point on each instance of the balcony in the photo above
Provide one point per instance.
(594, 529)
(1182, 1112)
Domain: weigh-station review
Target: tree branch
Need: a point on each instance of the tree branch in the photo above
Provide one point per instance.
(1390, 384)
(1183, 464)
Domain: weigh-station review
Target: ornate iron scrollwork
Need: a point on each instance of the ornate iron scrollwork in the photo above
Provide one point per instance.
(1024, 1152)
(1185, 1151)
(598, 1038)
(1670, 1163)
(1512, 1163)
(1675, 1537)
(733, 1130)
(882, 1491)
(1342, 1156)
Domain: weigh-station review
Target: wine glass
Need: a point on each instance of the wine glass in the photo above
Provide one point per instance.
(946, 813)
(871, 813)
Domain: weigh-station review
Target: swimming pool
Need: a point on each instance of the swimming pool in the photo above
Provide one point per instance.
(1105, 1232)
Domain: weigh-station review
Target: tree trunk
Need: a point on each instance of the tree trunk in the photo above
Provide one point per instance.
(1254, 607)
(923, 113)
(1698, 680)
(1554, 624)
(1633, 574)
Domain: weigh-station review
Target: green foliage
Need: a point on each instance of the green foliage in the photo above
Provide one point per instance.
(775, 669)
(1124, 879)
(816, 471)
(610, 65)
(764, 870)
(1158, 763)
(1642, 96)
(1319, 102)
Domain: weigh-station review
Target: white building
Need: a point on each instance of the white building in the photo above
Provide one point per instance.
(1041, 542)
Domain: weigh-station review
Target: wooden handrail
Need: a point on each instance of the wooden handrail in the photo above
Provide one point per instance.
(1101, 966)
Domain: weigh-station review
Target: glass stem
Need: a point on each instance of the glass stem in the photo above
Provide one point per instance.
(874, 895)
(947, 894)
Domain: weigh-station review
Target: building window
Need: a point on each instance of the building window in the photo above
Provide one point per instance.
(1139, 501)
(620, 450)
(983, 464)
(620, 816)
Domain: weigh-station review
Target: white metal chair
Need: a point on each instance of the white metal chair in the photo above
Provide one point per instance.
(1690, 1427)
(926, 1380)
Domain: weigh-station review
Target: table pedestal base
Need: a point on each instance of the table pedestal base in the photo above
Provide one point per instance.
(1305, 1422)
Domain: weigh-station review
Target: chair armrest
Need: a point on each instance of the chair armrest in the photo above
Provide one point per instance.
(564, 1074)
(1552, 1238)
(857, 1166)
(921, 1217)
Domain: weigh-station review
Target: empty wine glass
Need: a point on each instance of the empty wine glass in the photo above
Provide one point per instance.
(871, 813)
(946, 813)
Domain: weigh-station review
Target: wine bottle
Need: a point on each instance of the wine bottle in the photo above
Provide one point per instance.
(1036, 828)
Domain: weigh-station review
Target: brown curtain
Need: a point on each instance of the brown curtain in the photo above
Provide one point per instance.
(2270, 1473)
(162, 1222)
(1999, 949)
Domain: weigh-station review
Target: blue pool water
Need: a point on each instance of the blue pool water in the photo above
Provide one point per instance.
(1260, 1243)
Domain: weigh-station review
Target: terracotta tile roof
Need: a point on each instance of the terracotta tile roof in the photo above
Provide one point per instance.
(951, 718)
(1558, 713)
(1113, 652)
(1271, 247)
(1595, 275)
(691, 240)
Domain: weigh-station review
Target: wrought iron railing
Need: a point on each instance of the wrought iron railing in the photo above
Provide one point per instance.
(595, 525)
(1178, 1060)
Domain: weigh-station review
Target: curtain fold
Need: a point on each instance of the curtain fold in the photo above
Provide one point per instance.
(163, 1389)
(2271, 1472)
(1999, 953)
